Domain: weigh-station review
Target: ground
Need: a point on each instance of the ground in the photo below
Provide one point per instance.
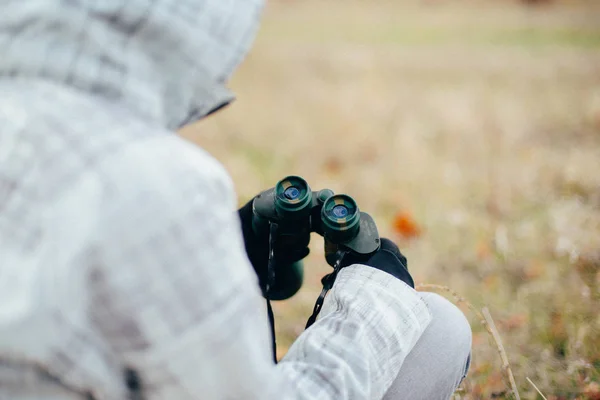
(470, 130)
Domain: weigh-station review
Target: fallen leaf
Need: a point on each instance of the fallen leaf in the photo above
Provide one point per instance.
(333, 165)
(405, 225)
(592, 391)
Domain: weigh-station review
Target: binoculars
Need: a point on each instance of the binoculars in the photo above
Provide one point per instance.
(290, 211)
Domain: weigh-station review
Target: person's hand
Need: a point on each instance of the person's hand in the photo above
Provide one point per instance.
(257, 246)
(388, 259)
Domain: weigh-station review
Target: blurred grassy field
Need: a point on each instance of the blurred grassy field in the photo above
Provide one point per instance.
(479, 122)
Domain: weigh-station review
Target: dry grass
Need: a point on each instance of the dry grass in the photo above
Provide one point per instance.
(479, 119)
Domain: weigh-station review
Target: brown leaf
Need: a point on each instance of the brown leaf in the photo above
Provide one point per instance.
(405, 225)
(592, 391)
(333, 165)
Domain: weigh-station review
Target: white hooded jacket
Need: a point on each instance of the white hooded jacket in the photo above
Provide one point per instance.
(120, 246)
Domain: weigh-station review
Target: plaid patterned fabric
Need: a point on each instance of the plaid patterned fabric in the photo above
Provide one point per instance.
(119, 242)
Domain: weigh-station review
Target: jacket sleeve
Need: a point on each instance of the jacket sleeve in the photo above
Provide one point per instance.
(369, 323)
(176, 299)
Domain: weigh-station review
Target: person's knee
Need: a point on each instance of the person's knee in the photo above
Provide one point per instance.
(450, 326)
(439, 360)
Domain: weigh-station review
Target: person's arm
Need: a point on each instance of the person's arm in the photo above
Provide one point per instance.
(369, 323)
(177, 300)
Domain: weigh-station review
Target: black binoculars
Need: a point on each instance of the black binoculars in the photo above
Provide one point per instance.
(290, 211)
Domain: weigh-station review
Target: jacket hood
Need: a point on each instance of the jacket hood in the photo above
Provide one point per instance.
(166, 60)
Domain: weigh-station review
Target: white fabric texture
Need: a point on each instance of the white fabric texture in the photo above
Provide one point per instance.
(119, 242)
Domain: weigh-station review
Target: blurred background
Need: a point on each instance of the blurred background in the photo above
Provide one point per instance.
(470, 130)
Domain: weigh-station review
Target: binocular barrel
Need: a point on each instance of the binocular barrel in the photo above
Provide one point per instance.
(338, 218)
(298, 211)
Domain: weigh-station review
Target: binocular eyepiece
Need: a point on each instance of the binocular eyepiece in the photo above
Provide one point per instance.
(339, 214)
(293, 198)
(340, 218)
(296, 211)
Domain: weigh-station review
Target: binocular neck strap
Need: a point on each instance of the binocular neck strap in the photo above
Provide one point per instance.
(272, 323)
(269, 284)
(327, 281)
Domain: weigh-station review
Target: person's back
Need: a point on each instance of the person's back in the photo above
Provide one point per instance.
(71, 223)
(119, 250)
(82, 148)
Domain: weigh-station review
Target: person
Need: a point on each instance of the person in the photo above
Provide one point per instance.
(123, 272)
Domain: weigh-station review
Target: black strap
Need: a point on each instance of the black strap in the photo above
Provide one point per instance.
(269, 284)
(327, 281)
(271, 263)
(134, 384)
(272, 323)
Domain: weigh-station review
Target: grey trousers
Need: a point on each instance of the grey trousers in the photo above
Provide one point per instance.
(440, 359)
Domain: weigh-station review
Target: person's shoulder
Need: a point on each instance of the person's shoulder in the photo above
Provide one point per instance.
(165, 155)
(63, 139)
(164, 167)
